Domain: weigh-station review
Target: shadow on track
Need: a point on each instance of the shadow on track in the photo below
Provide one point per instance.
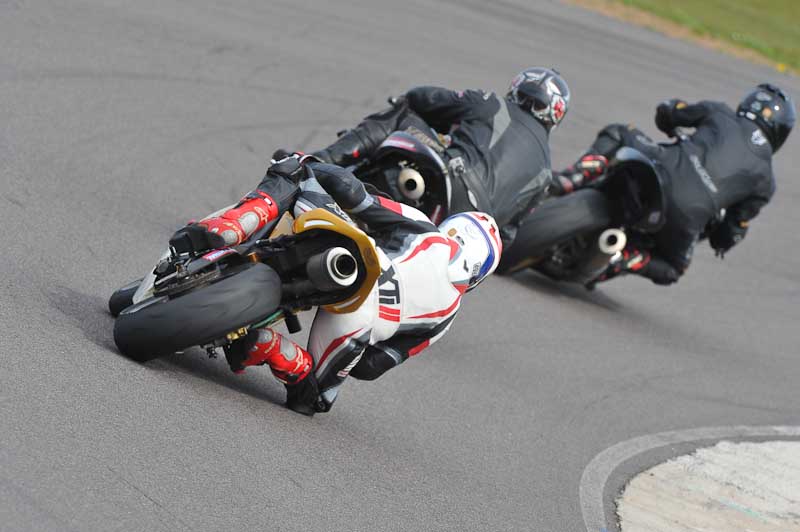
(196, 363)
(90, 315)
(549, 287)
(87, 312)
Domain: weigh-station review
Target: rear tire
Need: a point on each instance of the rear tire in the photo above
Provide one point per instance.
(123, 298)
(554, 221)
(160, 326)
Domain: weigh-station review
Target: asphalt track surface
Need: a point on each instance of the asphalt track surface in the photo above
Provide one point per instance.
(120, 120)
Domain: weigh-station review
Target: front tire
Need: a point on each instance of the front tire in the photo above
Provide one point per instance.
(555, 221)
(123, 298)
(160, 326)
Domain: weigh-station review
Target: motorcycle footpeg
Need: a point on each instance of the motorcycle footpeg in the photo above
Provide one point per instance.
(195, 239)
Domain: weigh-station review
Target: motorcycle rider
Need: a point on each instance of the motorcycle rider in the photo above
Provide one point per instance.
(724, 166)
(498, 157)
(425, 272)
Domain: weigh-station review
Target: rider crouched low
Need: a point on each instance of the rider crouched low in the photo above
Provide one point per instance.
(425, 272)
(498, 155)
(725, 166)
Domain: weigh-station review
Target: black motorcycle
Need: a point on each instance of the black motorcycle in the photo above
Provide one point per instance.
(575, 237)
(409, 166)
(571, 238)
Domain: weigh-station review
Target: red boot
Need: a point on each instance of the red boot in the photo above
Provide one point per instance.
(587, 169)
(237, 224)
(289, 362)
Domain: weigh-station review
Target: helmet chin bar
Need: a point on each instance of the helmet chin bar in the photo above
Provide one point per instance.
(411, 183)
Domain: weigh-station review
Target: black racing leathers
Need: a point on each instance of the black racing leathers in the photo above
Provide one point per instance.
(725, 164)
(499, 157)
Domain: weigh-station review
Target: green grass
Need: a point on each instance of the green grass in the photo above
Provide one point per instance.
(770, 27)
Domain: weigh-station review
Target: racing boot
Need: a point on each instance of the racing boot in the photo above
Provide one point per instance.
(289, 362)
(235, 225)
(632, 260)
(587, 169)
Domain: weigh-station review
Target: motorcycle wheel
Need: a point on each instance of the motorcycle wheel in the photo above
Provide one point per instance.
(552, 222)
(122, 298)
(160, 326)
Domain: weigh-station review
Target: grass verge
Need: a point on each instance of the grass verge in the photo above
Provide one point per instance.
(767, 31)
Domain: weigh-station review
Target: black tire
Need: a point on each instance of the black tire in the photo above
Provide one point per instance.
(160, 326)
(554, 221)
(123, 298)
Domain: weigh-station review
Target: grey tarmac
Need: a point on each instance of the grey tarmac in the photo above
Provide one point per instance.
(119, 121)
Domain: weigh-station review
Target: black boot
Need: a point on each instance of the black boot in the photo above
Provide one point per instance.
(303, 397)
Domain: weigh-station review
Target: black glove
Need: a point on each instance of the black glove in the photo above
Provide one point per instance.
(664, 116)
(290, 166)
(726, 235)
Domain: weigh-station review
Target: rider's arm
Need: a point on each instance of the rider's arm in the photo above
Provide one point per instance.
(677, 113)
(734, 226)
(442, 108)
(377, 212)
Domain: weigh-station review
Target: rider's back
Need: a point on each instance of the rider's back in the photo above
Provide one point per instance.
(729, 154)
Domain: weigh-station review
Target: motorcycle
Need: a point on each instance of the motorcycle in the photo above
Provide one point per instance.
(409, 166)
(196, 297)
(571, 238)
(575, 237)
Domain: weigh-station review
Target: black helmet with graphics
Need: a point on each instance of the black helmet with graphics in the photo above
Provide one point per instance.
(772, 110)
(543, 93)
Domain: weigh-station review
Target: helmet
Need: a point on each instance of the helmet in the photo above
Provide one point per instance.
(772, 110)
(543, 93)
(480, 247)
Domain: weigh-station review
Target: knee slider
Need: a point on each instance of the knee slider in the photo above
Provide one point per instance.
(372, 365)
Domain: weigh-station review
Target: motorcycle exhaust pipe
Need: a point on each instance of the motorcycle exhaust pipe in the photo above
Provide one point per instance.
(332, 270)
(609, 243)
(612, 241)
(411, 183)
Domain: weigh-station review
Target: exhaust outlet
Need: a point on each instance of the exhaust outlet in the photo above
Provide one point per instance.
(609, 244)
(411, 183)
(333, 269)
(612, 241)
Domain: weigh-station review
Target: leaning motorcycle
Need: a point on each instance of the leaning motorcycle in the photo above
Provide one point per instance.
(575, 237)
(409, 166)
(212, 298)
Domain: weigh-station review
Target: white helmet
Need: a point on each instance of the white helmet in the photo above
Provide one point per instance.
(479, 239)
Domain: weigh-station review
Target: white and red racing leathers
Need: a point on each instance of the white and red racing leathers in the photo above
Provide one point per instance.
(410, 307)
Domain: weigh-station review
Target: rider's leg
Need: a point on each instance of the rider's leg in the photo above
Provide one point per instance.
(313, 376)
(363, 139)
(337, 342)
(233, 225)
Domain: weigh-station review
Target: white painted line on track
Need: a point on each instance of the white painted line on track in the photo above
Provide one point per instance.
(594, 477)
